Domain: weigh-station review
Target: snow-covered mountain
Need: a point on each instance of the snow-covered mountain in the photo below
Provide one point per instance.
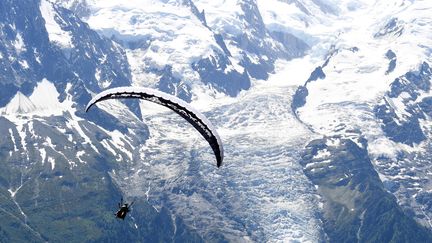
(374, 83)
(55, 159)
(324, 108)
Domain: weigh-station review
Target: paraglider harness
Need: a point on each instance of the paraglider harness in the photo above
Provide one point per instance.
(123, 209)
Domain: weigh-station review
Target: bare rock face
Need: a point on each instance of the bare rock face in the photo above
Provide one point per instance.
(357, 208)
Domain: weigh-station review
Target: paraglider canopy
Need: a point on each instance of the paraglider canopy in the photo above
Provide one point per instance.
(194, 117)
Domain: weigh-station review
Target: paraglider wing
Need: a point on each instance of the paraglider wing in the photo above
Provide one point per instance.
(194, 117)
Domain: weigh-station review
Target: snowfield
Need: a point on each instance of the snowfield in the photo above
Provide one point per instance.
(152, 32)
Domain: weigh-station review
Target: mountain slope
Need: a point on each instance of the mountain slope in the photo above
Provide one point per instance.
(356, 207)
(367, 87)
(55, 180)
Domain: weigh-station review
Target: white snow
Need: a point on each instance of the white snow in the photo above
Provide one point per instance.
(56, 34)
(322, 154)
(43, 154)
(79, 154)
(42, 102)
(222, 15)
(356, 80)
(13, 140)
(171, 34)
(318, 164)
(75, 124)
(14, 192)
(45, 97)
(52, 162)
(120, 141)
(399, 108)
(108, 146)
(24, 64)
(19, 43)
(20, 104)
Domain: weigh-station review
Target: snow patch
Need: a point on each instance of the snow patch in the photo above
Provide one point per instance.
(52, 162)
(74, 124)
(19, 43)
(13, 139)
(42, 102)
(14, 192)
(45, 97)
(20, 104)
(322, 154)
(24, 64)
(79, 154)
(55, 33)
(43, 154)
(177, 39)
(107, 145)
(120, 141)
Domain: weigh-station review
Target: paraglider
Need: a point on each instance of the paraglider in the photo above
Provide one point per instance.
(123, 209)
(195, 118)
